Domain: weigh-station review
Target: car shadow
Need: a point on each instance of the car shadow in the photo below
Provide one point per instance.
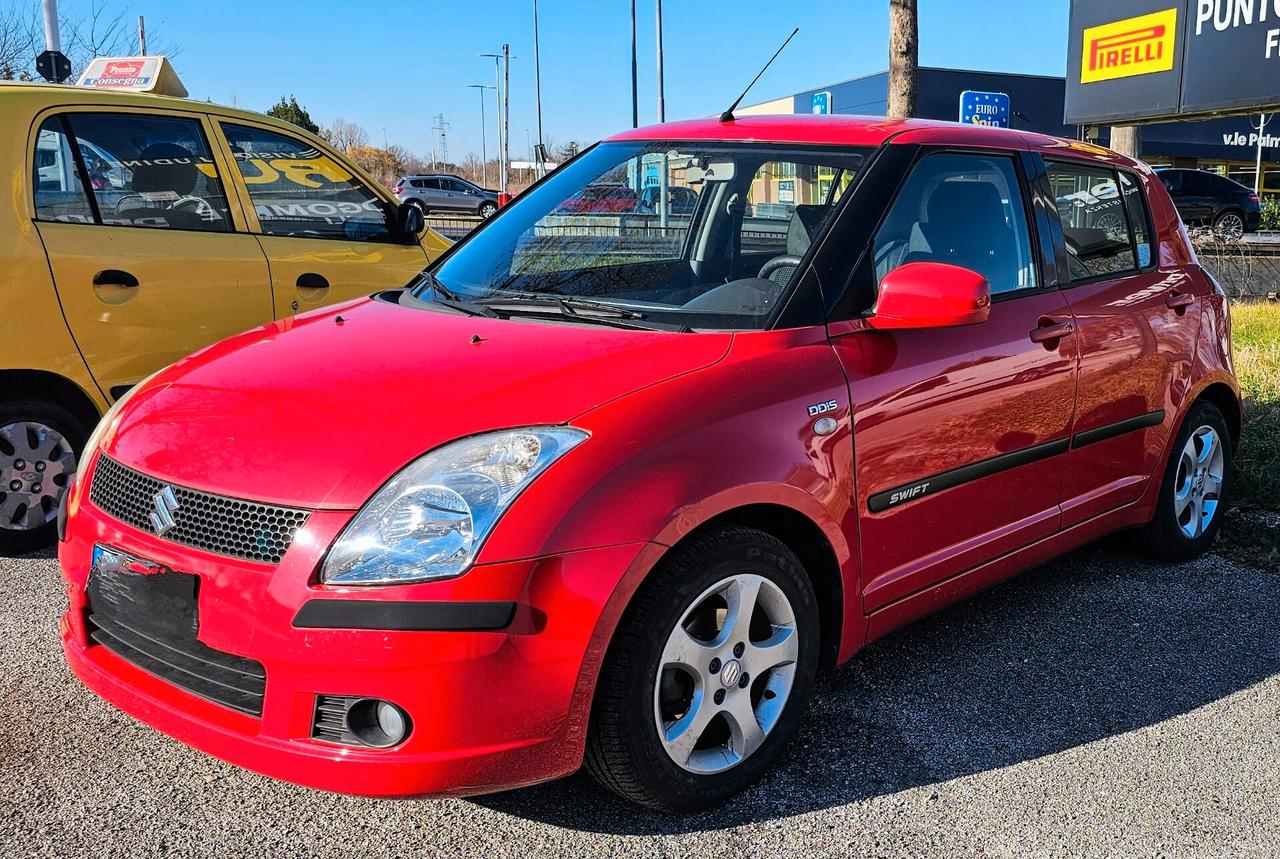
(1090, 646)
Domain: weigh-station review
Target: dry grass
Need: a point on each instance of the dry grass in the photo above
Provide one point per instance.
(1256, 338)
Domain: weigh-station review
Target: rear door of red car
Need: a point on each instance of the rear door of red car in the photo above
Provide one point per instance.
(1137, 321)
(959, 433)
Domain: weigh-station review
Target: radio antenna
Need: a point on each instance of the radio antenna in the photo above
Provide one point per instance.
(727, 116)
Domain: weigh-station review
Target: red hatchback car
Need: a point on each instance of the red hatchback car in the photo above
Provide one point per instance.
(616, 494)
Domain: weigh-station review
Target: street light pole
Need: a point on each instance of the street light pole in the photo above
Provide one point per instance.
(662, 111)
(506, 116)
(52, 38)
(635, 80)
(1257, 176)
(537, 85)
(484, 130)
(662, 117)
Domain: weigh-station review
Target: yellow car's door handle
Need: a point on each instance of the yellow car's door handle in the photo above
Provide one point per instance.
(115, 277)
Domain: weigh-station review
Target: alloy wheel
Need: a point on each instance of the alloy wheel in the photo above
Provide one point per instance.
(1230, 226)
(1198, 484)
(36, 461)
(725, 674)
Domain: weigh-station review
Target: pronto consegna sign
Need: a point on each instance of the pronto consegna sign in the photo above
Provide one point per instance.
(1145, 60)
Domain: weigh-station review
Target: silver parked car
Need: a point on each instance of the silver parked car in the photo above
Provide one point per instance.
(439, 192)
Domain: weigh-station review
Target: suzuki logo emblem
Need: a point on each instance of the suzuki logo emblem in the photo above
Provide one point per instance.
(166, 503)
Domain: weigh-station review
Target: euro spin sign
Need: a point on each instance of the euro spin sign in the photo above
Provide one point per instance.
(1134, 46)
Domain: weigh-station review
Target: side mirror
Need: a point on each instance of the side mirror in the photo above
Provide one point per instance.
(409, 221)
(931, 295)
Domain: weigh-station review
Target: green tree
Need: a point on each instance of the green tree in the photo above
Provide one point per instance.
(290, 111)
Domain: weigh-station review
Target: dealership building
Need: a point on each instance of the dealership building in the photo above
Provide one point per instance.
(1036, 103)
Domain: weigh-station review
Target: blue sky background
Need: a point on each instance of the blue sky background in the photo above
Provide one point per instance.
(393, 64)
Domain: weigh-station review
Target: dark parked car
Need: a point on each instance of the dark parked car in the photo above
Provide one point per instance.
(444, 193)
(1207, 199)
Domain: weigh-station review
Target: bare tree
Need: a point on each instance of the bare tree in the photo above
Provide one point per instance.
(105, 29)
(904, 57)
(344, 135)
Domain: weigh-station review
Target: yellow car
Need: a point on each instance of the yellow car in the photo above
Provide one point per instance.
(136, 228)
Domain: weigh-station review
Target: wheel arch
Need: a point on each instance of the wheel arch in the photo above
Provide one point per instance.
(818, 557)
(1223, 396)
(45, 385)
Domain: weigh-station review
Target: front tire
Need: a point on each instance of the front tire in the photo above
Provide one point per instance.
(487, 210)
(708, 674)
(1192, 499)
(39, 445)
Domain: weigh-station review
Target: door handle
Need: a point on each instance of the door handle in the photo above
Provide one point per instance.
(115, 277)
(311, 280)
(1049, 331)
(1179, 301)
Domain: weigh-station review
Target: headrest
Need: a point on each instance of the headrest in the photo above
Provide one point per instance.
(175, 172)
(806, 223)
(955, 203)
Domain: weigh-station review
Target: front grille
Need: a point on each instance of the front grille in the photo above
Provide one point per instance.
(330, 720)
(151, 621)
(215, 523)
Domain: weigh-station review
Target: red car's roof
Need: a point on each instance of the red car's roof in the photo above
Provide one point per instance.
(862, 131)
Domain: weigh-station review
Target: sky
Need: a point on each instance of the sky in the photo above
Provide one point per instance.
(393, 65)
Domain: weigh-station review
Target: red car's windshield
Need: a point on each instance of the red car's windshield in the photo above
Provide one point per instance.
(719, 252)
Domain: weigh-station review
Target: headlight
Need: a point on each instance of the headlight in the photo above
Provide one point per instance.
(429, 521)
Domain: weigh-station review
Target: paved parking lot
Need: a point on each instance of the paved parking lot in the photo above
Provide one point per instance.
(1099, 706)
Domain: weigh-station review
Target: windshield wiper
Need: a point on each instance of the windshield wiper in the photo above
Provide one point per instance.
(449, 298)
(568, 305)
(597, 313)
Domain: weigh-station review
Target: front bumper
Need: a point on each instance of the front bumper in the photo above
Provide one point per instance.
(491, 709)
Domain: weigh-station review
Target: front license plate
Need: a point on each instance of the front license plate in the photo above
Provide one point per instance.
(149, 597)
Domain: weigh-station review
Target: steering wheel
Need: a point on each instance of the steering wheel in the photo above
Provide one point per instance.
(201, 205)
(776, 263)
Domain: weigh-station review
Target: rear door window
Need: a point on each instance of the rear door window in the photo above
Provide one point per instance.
(1095, 223)
(299, 191)
(142, 171)
(1135, 204)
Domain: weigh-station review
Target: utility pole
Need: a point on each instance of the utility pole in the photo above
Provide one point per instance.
(142, 37)
(441, 128)
(506, 117)
(497, 103)
(537, 85)
(1127, 140)
(904, 58)
(484, 129)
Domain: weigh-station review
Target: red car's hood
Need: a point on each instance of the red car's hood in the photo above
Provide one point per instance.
(316, 412)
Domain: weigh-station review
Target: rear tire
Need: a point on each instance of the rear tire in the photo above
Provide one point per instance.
(40, 445)
(1229, 225)
(1193, 493)
(674, 725)
(420, 206)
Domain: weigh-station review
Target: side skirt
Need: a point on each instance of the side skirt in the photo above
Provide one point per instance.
(943, 594)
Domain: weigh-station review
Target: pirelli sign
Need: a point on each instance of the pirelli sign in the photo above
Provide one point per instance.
(1133, 61)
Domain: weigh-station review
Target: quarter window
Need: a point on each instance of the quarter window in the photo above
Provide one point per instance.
(143, 171)
(1095, 223)
(59, 185)
(964, 210)
(299, 191)
(1136, 208)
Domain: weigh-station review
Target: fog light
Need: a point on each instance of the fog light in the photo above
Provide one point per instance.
(352, 721)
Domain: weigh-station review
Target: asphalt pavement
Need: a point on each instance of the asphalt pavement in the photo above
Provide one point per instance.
(1100, 705)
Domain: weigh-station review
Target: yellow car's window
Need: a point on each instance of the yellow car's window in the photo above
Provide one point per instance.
(140, 170)
(299, 191)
